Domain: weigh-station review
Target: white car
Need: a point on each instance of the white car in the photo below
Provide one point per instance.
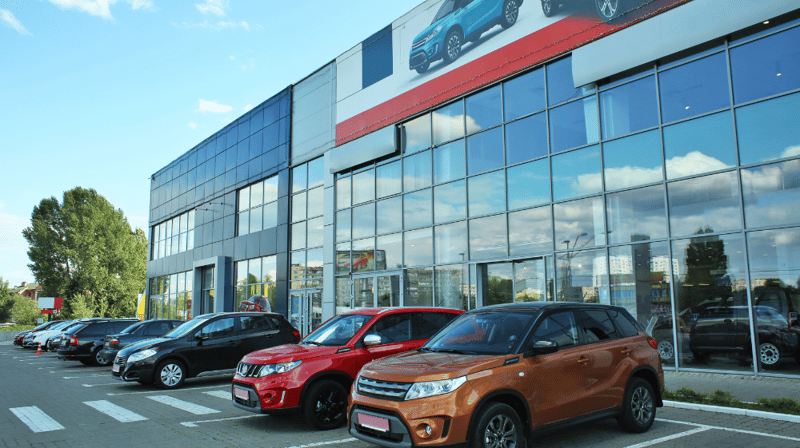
(43, 336)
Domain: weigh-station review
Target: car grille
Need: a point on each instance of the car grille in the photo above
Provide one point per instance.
(383, 389)
(418, 59)
(248, 370)
(418, 43)
(119, 360)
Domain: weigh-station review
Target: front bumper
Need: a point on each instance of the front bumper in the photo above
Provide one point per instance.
(141, 371)
(272, 394)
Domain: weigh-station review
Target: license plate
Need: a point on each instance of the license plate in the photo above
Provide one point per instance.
(372, 422)
(115, 369)
(241, 393)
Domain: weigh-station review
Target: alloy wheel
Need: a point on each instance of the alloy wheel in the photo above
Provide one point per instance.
(500, 432)
(641, 405)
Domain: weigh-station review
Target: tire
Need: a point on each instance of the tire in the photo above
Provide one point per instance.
(609, 10)
(510, 14)
(638, 407)
(452, 46)
(48, 346)
(423, 68)
(549, 8)
(169, 374)
(498, 426)
(325, 405)
(769, 355)
(666, 350)
(98, 360)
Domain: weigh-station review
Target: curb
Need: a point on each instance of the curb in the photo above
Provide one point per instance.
(734, 411)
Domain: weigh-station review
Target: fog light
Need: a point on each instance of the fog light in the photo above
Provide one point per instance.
(428, 429)
(268, 398)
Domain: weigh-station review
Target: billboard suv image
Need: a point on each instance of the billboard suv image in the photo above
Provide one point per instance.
(456, 23)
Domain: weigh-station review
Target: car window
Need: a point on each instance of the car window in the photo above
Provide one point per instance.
(596, 326)
(97, 329)
(482, 333)
(158, 328)
(558, 327)
(625, 325)
(116, 327)
(219, 328)
(134, 329)
(428, 324)
(338, 330)
(393, 328)
(254, 324)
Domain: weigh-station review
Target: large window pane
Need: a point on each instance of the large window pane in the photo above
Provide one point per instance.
(577, 173)
(388, 181)
(498, 283)
(485, 151)
(448, 123)
(419, 290)
(449, 162)
(343, 197)
(299, 178)
(363, 255)
(694, 88)
(418, 209)
(632, 161)
(768, 130)
(705, 204)
(530, 281)
(390, 249)
(390, 215)
(315, 232)
(560, 86)
(579, 224)
(315, 199)
(316, 172)
(270, 215)
(417, 171)
(343, 224)
(450, 242)
(416, 134)
(451, 287)
(343, 260)
(637, 215)
(772, 194)
(582, 276)
(526, 139)
(364, 220)
(487, 193)
(712, 301)
(699, 146)
(524, 94)
(629, 108)
(483, 110)
(530, 231)
(487, 238)
(363, 186)
(528, 184)
(574, 124)
(299, 207)
(418, 247)
(450, 202)
(271, 189)
(765, 67)
(255, 219)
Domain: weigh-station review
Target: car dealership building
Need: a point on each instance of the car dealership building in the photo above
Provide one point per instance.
(645, 154)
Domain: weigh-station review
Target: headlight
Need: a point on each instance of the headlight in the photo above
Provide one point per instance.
(144, 354)
(272, 369)
(431, 388)
(433, 33)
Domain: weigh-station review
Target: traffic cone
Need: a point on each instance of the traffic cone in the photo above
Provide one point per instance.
(39, 350)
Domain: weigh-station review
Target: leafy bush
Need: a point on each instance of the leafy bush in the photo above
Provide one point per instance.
(722, 398)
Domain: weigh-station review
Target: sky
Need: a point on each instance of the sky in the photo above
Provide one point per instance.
(103, 93)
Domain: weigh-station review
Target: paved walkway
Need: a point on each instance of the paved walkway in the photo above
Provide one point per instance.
(742, 387)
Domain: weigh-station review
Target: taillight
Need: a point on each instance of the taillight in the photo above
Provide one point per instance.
(114, 341)
(652, 342)
(296, 334)
(73, 340)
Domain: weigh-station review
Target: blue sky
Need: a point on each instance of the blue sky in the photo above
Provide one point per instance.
(103, 93)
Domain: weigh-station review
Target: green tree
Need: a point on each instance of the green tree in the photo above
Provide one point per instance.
(84, 250)
(6, 301)
(25, 310)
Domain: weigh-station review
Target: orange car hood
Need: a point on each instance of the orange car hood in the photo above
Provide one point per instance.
(417, 366)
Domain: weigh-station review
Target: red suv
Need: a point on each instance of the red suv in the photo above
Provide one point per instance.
(315, 376)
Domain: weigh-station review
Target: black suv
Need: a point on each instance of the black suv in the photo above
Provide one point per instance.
(149, 329)
(84, 342)
(208, 344)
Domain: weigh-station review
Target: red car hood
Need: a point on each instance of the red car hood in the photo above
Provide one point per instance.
(416, 366)
(288, 353)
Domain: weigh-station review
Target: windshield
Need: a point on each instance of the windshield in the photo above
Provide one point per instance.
(337, 331)
(447, 7)
(59, 326)
(186, 327)
(132, 328)
(488, 333)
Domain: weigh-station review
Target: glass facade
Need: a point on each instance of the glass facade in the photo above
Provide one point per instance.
(307, 225)
(173, 236)
(171, 296)
(256, 277)
(668, 191)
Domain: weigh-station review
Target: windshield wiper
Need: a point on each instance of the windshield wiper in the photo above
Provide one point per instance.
(424, 349)
(312, 342)
(452, 350)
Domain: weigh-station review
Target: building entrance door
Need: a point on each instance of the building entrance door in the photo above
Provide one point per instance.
(305, 309)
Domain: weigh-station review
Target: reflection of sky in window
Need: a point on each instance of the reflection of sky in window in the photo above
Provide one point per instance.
(487, 193)
(390, 215)
(629, 108)
(526, 139)
(530, 231)
(768, 130)
(417, 134)
(524, 94)
(483, 110)
(364, 220)
(449, 162)
(450, 242)
(388, 179)
(487, 237)
(448, 122)
(485, 151)
(694, 88)
(577, 173)
(636, 214)
(579, 224)
(574, 124)
(772, 194)
(528, 184)
(699, 146)
(417, 209)
(632, 161)
(775, 254)
(450, 201)
(766, 67)
(709, 201)
(417, 171)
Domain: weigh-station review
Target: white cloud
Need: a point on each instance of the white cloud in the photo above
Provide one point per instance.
(247, 107)
(213, 25)
(100, 8)
(213, 107)
(213, 7)
(9, 20)
(193, 125)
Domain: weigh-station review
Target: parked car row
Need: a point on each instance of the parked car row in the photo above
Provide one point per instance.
(413, 376)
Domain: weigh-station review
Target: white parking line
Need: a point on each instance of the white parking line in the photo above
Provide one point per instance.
(220, 394)
(668, 438)
(84, 376)
(95, 385)
(722, 428)
(150, 391)
(36, 420)
(194, 424)
(325, 443)
(195, 409)
(116, 412)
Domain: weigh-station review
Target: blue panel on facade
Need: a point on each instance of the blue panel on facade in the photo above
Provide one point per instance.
(376, 57)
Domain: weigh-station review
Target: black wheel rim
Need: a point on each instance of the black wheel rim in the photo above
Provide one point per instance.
(330, 406)
(607, 8)
(546, 6)
(500, 432)
(453, 47)
(511, 12)
(641, 406)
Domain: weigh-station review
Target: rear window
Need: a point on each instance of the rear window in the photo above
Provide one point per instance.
(625, 325)
(596, 326)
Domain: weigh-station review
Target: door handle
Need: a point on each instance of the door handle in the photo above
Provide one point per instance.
(233, 342)
(626, 350)
(583, 360)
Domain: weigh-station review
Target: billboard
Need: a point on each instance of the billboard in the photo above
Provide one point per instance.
(445, 48)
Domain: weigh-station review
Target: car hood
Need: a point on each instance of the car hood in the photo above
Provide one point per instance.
(430, 28)
(289, 353)
(426, 366)
(147, 343)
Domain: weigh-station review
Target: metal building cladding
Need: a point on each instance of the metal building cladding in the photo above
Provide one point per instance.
(644, 153)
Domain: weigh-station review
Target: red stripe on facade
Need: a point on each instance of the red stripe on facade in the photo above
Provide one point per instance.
(535, 48)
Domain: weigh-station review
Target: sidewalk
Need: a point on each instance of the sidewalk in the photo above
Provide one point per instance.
(743, 387)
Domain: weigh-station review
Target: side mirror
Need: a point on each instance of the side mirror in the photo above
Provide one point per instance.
(545, 347)
(201, 337)
(372, 339)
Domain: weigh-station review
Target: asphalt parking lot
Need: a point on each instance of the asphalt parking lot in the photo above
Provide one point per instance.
(45, 402)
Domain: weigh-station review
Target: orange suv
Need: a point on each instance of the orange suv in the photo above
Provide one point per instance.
(495, 375)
